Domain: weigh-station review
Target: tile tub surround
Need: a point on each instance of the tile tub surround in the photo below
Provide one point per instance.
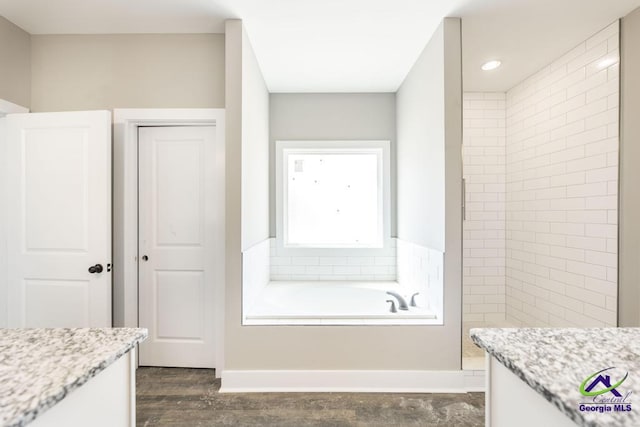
(328, 264)
(255, 271)
(555, 361)
(335, 303)
(39, 367)
(422, 268)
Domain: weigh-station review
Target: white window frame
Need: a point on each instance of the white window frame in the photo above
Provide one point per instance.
(346, 146)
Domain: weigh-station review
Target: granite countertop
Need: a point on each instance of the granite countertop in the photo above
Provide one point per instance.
(556, 361)
(39, 367)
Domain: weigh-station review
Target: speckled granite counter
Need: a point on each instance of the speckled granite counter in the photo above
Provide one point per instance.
(557, 362)
(39, 367)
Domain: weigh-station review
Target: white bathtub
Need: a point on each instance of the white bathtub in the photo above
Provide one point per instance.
(333, 303)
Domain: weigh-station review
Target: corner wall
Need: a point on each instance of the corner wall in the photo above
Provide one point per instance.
(629, 232)
(429, 141)
(561, 187)
(420, 119)
(15, 64)
(255, 150)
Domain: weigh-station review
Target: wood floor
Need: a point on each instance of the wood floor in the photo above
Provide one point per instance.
(189, 397)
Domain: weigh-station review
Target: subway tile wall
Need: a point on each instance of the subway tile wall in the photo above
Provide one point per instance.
(484, 227)
(421, 269)
(561, 189)
(255, 272)
(286, 267)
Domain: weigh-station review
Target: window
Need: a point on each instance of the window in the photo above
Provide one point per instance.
(333, 194)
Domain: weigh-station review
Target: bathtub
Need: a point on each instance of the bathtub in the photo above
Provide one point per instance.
(333, 303)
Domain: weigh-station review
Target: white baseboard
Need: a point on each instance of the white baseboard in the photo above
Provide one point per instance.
(343, 381)
(474, 381)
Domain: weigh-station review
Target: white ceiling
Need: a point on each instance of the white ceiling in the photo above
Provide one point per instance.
(346, 45)
(526, 35)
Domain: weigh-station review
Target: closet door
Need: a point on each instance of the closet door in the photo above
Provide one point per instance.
(176, 246)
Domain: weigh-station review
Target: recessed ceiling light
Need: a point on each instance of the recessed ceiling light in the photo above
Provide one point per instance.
(491, 65)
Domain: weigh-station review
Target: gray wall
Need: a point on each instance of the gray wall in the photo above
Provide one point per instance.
(84, 72)
(430, 170)
(332, 116)
(255, 150)
(15, 64)
(629, 204)
(317, 347)
(421, 175)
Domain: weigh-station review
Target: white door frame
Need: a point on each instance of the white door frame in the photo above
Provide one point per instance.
(6, 107)
(125, 207)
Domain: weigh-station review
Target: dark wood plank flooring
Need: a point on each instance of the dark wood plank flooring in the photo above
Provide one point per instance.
(189, 397)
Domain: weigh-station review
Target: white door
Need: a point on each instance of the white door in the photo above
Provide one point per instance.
(59, 219)
(177, 219)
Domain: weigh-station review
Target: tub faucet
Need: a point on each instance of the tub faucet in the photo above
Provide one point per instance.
(393, 306)
(413, 299)
(402, 303)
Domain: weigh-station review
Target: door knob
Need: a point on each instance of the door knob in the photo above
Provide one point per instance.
(145, 258)
(96, 269)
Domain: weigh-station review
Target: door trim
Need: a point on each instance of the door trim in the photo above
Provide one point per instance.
(125, 207)
(6, 107)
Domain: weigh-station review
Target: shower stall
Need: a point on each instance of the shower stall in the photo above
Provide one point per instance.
(541, 170)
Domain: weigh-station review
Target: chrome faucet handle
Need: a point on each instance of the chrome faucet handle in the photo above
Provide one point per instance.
(413, 299)
(393, 306)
